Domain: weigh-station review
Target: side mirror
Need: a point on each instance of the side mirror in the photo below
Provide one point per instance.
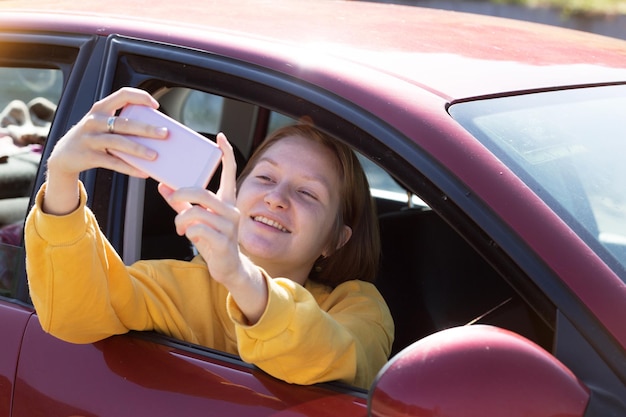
(476, 371)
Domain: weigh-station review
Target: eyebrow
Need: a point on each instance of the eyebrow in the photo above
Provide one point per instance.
(314, 178)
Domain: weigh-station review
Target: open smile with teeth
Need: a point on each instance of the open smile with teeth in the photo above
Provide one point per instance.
(271, 223)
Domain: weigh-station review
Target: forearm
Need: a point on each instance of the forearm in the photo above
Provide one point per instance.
(61, 194)
(249, 291)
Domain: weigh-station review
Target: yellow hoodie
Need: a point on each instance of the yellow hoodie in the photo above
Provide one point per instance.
(83, 292)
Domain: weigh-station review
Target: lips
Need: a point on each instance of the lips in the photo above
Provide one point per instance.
(271, 223)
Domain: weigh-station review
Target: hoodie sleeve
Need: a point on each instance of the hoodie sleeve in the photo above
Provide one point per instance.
(304, 338)
(83, 292)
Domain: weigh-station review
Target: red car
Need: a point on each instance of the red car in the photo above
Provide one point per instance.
(495, 153)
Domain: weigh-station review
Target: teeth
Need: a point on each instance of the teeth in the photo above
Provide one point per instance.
(271, 223)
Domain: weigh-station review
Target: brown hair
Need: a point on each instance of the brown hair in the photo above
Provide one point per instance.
(359, 257)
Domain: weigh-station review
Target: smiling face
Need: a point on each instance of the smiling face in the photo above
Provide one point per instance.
(289, 204)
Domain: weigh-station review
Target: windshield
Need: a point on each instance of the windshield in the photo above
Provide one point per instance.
(570, 148)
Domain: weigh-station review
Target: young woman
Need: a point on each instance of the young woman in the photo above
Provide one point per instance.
(285, 254)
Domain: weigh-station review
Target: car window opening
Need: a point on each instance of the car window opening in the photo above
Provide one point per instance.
(430, 277)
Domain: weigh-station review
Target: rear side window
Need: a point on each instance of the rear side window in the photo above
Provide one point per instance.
(28, 101)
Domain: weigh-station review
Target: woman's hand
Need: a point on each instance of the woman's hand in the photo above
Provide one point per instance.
(87, 146)
(211, 222)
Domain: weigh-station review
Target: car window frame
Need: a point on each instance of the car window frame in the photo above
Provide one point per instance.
(229, 77)
(126, 194)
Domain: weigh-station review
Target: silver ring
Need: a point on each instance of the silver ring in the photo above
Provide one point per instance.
(111, 124)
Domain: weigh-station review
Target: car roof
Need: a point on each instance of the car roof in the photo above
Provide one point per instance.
(453, 55)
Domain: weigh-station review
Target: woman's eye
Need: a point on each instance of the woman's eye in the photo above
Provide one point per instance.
(308, 194)
(264, 178)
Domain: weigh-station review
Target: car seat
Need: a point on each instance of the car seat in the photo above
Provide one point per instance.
(433, 279)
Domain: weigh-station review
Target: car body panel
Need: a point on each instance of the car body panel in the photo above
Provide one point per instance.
(13, 319)
(439, 44)
(128, 375)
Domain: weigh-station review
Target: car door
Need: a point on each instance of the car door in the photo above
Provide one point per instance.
(34, 69)
(146, 374)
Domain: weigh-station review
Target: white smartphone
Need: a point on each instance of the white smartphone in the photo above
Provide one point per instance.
(185, 158)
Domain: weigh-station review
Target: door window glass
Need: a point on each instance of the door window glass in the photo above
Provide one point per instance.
(202, 111)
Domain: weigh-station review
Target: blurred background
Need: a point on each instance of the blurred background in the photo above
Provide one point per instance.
(604, 17)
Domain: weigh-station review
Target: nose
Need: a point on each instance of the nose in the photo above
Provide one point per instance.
(277, 197)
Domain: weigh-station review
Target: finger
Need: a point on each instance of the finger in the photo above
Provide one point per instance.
(97, 123)
(197, 196)
(208, 240)
(198, 218)
(228, 180)
(101, 158)
(178, 205)
(112, 145)
(126, 95)
(197, 203)
(197, 221)
(126, 126)
(116, 164)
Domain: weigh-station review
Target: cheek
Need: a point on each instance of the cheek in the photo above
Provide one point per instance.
(244, 194)
(323, 226)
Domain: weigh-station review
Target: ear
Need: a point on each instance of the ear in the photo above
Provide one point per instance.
(346, 234)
